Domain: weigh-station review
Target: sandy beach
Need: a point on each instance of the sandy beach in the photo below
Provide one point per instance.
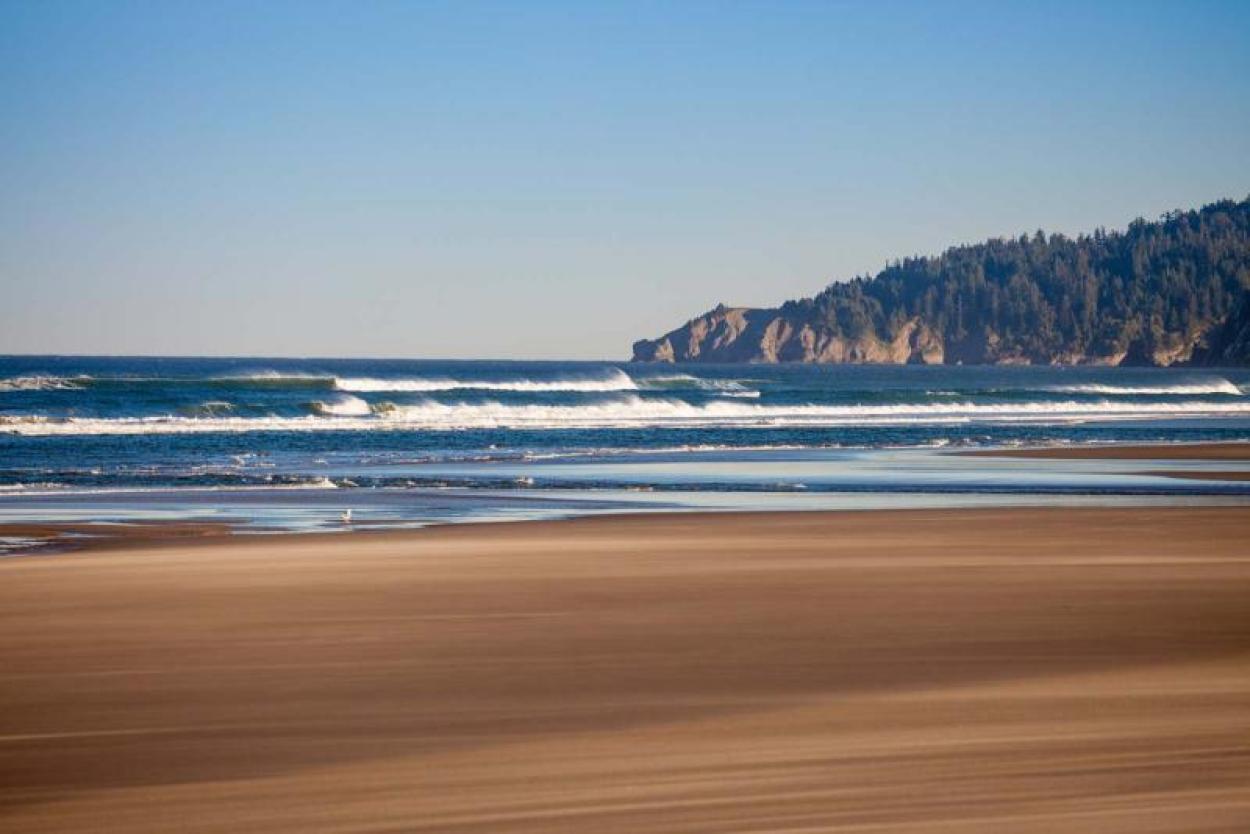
(648, 418)
(1126, 451)
(981, 671)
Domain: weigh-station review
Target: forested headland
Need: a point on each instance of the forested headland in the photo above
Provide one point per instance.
(1168, 292)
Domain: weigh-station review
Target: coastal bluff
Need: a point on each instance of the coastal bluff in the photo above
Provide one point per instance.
(1171, 292)
(744, 334)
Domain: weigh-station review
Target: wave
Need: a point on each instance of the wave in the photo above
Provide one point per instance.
(213, 408)
(344, 406)
(43, 383)
(34, 490)
(258, 379)
(635, 411)
(27, 488)
(609, 380)
(254, 379)
(677, 382)
(1215, 386)
(616, 380)
(671, 381)
(9, 421)
(627, 412)
(612, 381)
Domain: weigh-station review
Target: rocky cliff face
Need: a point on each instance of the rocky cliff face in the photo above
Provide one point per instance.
(1230, 344)
(744, 334)
(767, 336)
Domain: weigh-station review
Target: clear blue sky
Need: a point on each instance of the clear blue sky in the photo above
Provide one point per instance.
(556, 180)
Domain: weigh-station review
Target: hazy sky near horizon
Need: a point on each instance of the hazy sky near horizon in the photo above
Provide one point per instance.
(555, 180)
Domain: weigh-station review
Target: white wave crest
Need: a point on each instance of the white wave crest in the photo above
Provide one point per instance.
(42, 383)
(344, 406)
(317, 483)
(635, 412)
(259, 379)
(669, 380)
(724, 387)
(1214, 386)
(31, 486)
(617, 380)
(212, 408)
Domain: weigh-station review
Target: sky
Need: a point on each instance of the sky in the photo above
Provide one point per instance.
(556, 180)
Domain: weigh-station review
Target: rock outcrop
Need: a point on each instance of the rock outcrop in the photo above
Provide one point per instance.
(744, 334)
(1173, 292)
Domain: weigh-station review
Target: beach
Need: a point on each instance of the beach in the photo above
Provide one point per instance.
(566, 418)
(957, 670)
(1229, 452)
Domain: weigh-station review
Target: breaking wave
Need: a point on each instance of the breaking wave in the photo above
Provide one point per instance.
(687, 382)
(213, 408)
(354, 414)
(259, 379)
(344, 406)
(43, 383)
(256, 379)
(1215, 386)
(616, 380)
(612, 380)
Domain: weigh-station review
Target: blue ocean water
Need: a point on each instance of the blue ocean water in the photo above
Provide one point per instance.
(215, 433)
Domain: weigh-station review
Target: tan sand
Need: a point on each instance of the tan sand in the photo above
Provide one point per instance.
(937, 671)
(1200, 475)
(1170, 451)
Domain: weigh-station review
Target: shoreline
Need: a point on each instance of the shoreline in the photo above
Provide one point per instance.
(49, 538)
(940, 670)
(1222, 451)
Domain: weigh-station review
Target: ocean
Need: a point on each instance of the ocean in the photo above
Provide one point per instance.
(289, 443)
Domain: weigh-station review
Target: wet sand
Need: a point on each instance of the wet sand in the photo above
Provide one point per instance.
(1075, 670)
(1200, 475)
(1170, 451)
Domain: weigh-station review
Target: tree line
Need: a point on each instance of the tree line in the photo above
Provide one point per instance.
(1161, 286)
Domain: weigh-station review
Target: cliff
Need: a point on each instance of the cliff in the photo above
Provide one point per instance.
(743, 334)
(1176, 291)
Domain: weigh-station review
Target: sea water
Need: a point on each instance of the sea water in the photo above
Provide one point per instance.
(288, 441)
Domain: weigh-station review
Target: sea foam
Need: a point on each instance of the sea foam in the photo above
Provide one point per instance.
(344, 406)
(1214, 386)
(616, 380)
(629, 411)
(42, 383)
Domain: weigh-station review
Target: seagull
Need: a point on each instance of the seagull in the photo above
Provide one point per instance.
(346, 517)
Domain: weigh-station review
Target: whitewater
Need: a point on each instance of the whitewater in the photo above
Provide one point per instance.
(354, 414)
(295, 428)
